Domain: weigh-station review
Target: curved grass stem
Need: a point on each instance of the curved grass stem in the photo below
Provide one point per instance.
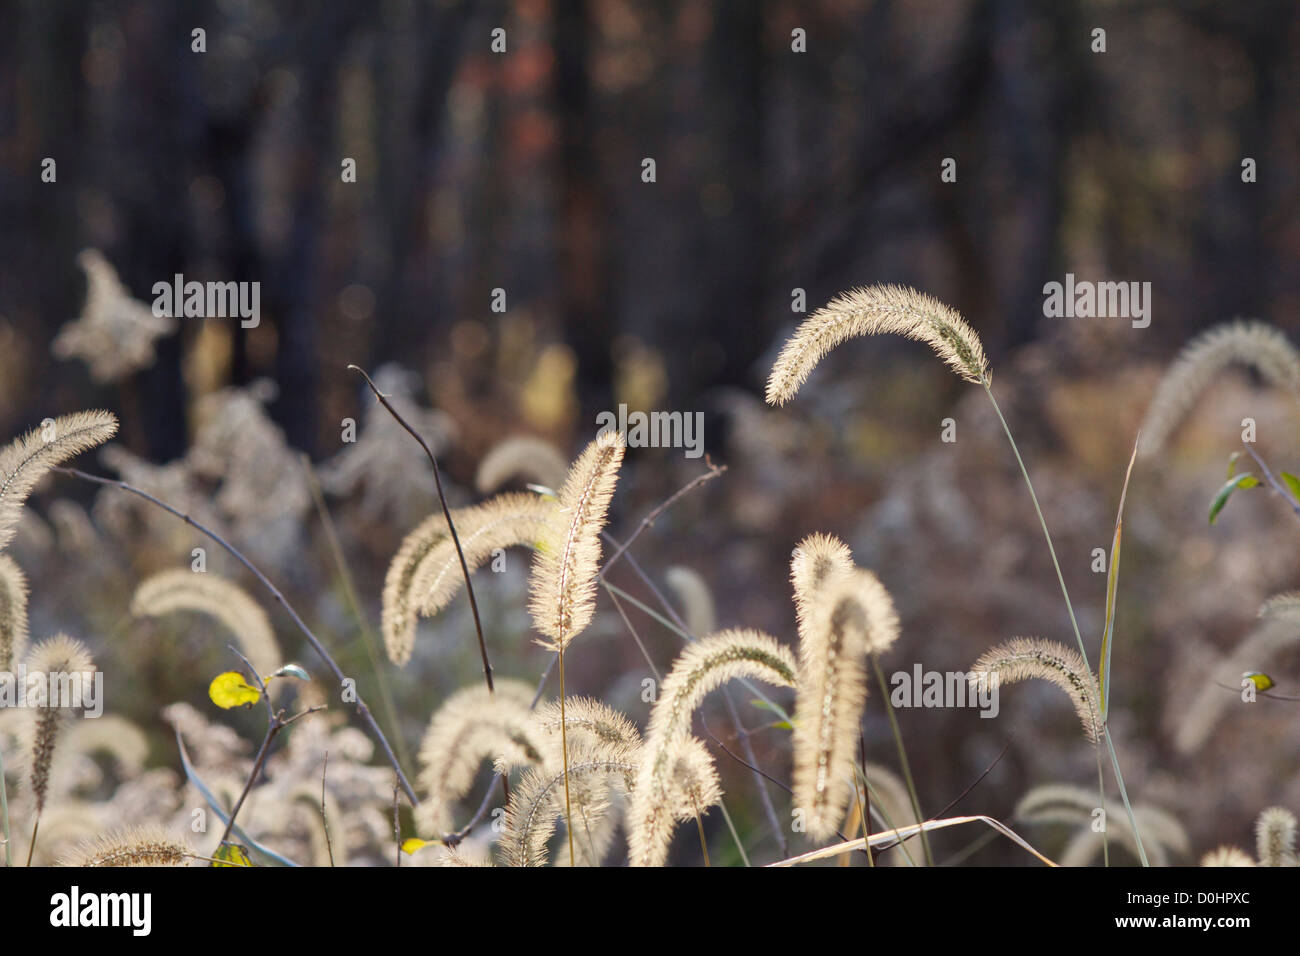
(1069, 606)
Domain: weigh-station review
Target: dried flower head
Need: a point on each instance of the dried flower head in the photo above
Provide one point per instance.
(115, 333)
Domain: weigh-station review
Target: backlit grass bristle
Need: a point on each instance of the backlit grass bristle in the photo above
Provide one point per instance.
(693, 784)
(131, 846)
(1026, 658)
(473, 725)
(1247, 342)
(13, 613)
(595, 768)
(702, 667)
(180, 589)
(425, 574)
(24, 461)
(562, 585)
(851, 616)
(877, 310)
(815, 560)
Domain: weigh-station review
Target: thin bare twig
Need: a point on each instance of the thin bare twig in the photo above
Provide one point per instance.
(713, 472)
(446, 513)
(317, 646)
(275, 722)
(1283, 492)
(329, 845)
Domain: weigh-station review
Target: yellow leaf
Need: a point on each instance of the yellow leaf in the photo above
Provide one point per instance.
(411, 845)
(231, 854)
(1261, 680)
(231, 690)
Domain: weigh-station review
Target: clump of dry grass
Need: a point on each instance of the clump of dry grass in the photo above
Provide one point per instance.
(877, 310)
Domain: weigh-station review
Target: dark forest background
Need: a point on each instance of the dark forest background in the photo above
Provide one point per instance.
(521, 171)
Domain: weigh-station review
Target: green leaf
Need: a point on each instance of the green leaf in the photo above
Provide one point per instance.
(1292, 483)
(1244, 480)
(1112, 588)
(1232, 463)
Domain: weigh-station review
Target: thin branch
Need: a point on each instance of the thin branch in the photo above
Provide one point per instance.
(1276, 485)
(329, 845)
(713, 472)
(317, 646)
(446, 513)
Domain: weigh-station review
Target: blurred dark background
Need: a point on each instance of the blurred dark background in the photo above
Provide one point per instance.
(775, 171)
(521, 171)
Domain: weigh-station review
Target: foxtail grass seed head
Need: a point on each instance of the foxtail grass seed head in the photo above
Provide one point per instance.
(180, 589)
(696, 599)
(26, 460)
(851, 616)
(522, 457)
(1227, 856)
(701, 668)
(596, 770)
(562, 585)
(425, 574)
(877, 310)
(472, 725)
(815, 560)
(1025, 658)
(52, 657)
(131, 846)
(1247, 342)
(1275, 837)
(13, 613)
